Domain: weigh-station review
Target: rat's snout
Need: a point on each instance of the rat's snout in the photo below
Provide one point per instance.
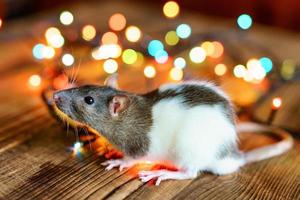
(60, 98)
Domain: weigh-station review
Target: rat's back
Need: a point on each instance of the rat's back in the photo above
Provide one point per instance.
(193, 126)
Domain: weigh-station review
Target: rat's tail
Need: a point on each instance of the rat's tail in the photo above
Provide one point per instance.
(261, 153)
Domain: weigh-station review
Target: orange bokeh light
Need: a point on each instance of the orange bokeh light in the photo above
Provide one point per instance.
(117, 22)
(109, 38)
(276, 103)
(218, 50)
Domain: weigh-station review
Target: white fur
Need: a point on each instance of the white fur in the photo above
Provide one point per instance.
(191, 137)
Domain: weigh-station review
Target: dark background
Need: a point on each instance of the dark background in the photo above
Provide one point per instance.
(281, 13)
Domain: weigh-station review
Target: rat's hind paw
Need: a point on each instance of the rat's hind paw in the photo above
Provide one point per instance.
(161, 175)
(121, 163)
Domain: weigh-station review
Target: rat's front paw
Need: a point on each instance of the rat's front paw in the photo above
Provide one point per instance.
(121, 163)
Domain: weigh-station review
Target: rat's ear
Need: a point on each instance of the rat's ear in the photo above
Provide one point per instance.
(118, 104)
(112, 81)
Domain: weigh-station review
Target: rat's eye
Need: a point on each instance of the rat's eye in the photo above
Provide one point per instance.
(89, 100)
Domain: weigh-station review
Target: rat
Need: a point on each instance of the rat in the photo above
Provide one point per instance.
(190, 124)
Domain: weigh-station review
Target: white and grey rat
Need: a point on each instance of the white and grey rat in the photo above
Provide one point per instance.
(190, 124)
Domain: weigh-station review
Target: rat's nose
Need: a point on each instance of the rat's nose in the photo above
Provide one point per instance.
(57, 98)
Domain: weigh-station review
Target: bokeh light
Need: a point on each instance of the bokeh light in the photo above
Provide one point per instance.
(66, 18)
(208, 47)
(37, 51)
(197, 55)
(255, 69)
(110, 66)
(220, 69)
(179, 63)
(67, 59)
(1, 22)
(276, 103)
(244, 21)
(107, 51)
(288, 69)
(140, 60)
(117, 22)
(239, 71)
(218, 49)
(54, 37)
(161, 56)
(88, 32)
(155, 46)
(171, 9)
(35, 80)
(129, 56)
(183, 31)
(109, 38)
(133, 33)
(149, 71)
(176, 74)
(266, 63)
(48, 52)
(171, 38)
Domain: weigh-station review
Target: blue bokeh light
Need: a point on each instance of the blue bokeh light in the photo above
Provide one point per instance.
(244, 21)
(183, 31)
(154, 46)
(161, 56)
(266, 63)
(37, 51)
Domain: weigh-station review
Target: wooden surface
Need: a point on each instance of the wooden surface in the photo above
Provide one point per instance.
(35, 162)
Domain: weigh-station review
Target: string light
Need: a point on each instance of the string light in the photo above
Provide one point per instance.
(88, 32)
(197, 55)
(149, 71)
(276, 103)
(66, 18)
(209, 48)
(171, 38)
(218, 49)
(179, 63)
(176, 74)
(67, 59)
(48, 52)
(244, 21)
(161, 56)
(133, 34)
(117, 22)
(109, 38)
(239, 71)
(266, 63)
(54, 37)
(288, 69)
(129, 56)
(220, 69)
(37, 51)
(183, 31)
(110, 66)
(35, 80)
(155, 46)
(171, 9)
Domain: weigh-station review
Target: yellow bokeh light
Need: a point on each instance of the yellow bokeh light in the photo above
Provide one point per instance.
(117, 22)
(110, 66)
(67, 59)
(35, 80)
(255, 69)
(129, 56)
(171, 9)
(109, 38)
(48, 52)
(176, 74)
(54, 37)
(140, 60)
(171, 38)
(133, 33)
(239, 71)
(149, 71)
(197, 55)
(208, 47)
(107, 51)
(66, 18)
(88, 32)
(218, 50)
(220, 69)
(288, 69)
